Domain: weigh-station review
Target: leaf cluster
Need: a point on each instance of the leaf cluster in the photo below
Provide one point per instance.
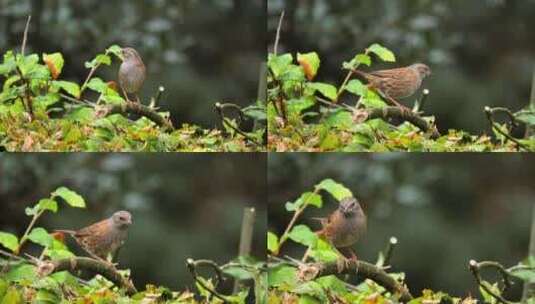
(307, 115)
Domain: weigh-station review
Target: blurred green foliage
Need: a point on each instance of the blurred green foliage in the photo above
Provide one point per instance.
(481, 52)
(444, 210)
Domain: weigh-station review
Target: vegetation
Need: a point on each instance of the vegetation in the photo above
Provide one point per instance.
(313, 277)
(41, 112)
(44, 278)
(306, 115)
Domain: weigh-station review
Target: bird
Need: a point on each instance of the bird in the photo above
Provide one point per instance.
(397, 83)
(132, 72)
(104, 238)
(343, 228)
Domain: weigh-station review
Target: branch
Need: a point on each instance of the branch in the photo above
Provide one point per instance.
(475, 267)
(246, 236)
(490, 117)
(313, 271)
(137, 108)
(414, 118)
(192, 267)
(82, 263)
(219, 108)
(386, 255)
(278, 36)
(25, 37)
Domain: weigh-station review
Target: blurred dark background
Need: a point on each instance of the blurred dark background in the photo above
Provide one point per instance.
(445, 209)
(480, 52)
(201, 51)
(183, 206)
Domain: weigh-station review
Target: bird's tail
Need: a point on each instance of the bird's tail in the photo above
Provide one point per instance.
(362, 74)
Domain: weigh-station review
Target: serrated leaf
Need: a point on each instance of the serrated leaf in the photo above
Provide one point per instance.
(55, 63)
(382, 52)
(303, 235)
(282, 275)
(310, 62)
(356, 87)
(363, 59)
(22, 272)
(70, 87)
(307, 198)
(72, 198)
(337, 190)
(325, 89)
(47, 204)
(279, 64)
(40, 236)
(9, 241)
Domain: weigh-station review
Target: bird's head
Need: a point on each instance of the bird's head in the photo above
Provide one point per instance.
(349, 206)
(129, 53)
(422, 69)
(122, 219)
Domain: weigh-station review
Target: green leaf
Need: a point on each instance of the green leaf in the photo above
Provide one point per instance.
(96, 84)
(282, 275)
(356, 87)
(337, 190)
(310, 62)
(303, 235)
(55, 63)
(299, 105)
(72, 198)
(307, 198)
(9, 64)
(325, 89)
(82, 114)
(115, 50)
(323, 251)
(363, 59)
(46, 297)
(9, 241)
(23, 272)
(70, 87)
(40, 236)
(383, 53)
(342, 120)
(279, 64)
(12, 296)
(272, 242)
(48, 204)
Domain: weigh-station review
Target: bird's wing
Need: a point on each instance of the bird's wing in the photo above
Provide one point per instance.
(390, 73)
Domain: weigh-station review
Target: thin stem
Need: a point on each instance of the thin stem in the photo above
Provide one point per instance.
(278, 36)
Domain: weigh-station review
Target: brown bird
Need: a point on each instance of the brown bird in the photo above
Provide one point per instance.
(104, 238)
(344, 227)
(397, 83)
(132, 72)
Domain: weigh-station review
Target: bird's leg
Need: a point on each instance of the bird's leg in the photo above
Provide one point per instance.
(125, 95)
(343, 262)
(404, 110)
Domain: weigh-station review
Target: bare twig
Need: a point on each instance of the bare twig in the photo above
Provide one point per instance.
(386, 254)
(25, 37)
(192, 267)
(475, 267)
(246, 237)
(313, 271)
(529, 286)
(278, 36)
(137, 108)
(156, 100)
(220, 107)
(530, 130)
(489, 114)
(106, 270)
